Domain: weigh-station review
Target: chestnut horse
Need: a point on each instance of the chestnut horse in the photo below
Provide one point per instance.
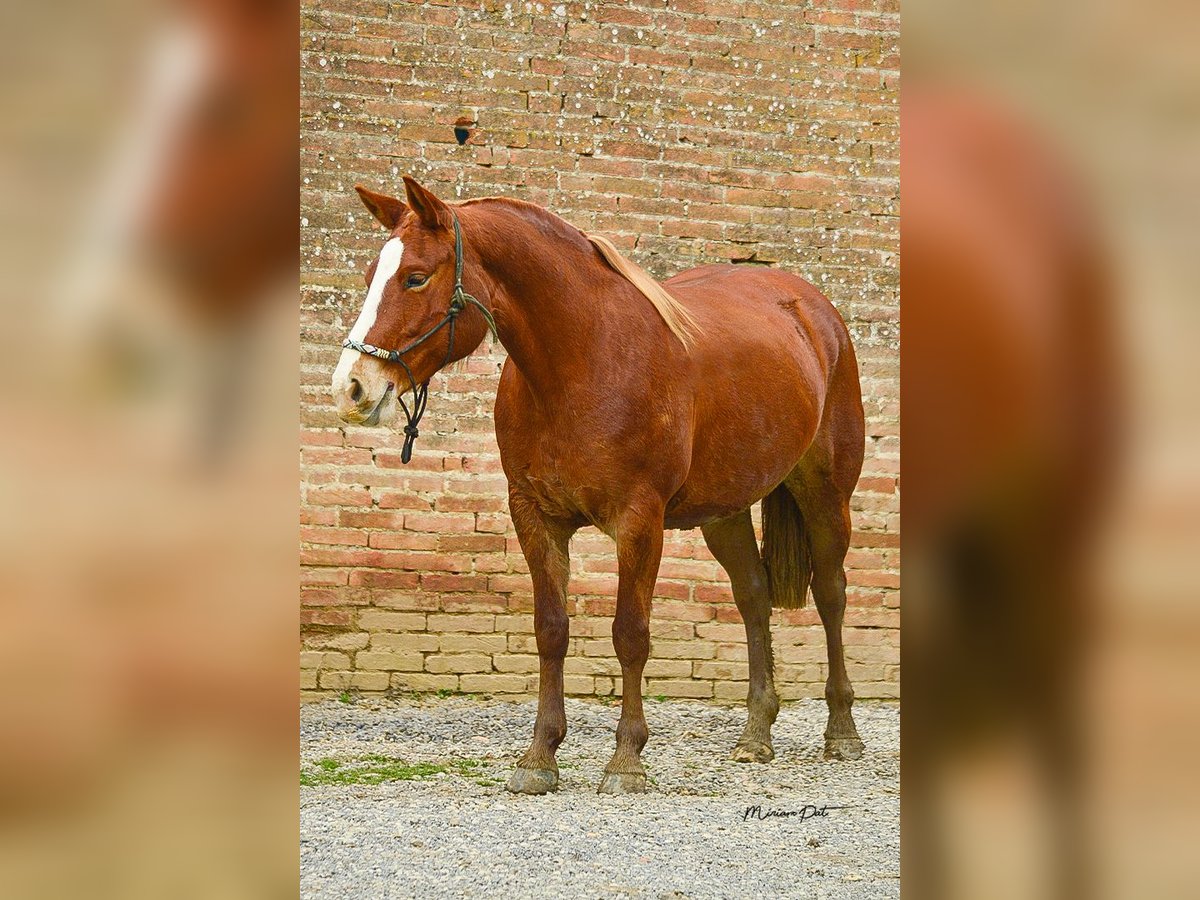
(633, 407)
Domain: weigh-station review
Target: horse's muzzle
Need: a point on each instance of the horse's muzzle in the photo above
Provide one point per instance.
(355, 406)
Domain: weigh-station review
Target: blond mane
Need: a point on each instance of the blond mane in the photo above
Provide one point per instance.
(681, 322)
(676, 316)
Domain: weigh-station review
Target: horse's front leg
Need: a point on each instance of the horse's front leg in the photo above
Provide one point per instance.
(545, 543)
(639, 550)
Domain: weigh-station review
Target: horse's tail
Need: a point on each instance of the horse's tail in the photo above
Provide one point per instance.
(785, 549)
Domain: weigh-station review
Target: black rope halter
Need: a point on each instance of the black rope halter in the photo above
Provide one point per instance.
(458, 302)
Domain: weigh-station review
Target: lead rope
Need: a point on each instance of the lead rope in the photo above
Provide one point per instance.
(458, 302)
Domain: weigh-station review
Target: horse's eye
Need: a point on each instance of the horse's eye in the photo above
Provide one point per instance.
(415, 281)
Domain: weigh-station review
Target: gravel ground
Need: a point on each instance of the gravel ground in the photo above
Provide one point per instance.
(458, 833)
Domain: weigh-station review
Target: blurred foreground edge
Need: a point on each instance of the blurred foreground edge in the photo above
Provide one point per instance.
(148, 471)
(1009, 409)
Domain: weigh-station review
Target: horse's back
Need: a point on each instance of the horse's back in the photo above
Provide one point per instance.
(750, 309)
(764, 366)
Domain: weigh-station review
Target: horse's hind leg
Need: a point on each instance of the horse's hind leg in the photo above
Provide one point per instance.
(825, 505)
(732, 542)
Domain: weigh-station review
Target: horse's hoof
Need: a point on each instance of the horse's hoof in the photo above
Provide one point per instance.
(623, 783)
(752, 751)
(843, 748)
(533, 781)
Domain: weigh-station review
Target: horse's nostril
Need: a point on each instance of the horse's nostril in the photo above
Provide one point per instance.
(356, 390)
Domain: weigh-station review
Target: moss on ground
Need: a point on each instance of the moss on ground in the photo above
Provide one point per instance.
(377, 769)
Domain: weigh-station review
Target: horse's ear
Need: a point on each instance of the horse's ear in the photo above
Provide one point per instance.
(432, 212)
(388, 210)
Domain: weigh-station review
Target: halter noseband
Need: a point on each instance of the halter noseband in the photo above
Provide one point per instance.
(458, 302)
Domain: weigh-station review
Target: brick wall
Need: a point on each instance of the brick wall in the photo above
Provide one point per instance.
(689, 131)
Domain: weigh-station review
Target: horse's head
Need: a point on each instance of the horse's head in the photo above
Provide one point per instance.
(410, 289)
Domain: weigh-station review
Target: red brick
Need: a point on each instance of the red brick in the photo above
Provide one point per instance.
(700, 177)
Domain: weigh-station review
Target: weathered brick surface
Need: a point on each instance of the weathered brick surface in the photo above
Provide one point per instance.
(689, 131)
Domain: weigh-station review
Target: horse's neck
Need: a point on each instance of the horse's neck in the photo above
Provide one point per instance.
(563, 315)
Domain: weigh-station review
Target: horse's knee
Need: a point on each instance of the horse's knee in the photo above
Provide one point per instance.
(553, 633)
(631, 639)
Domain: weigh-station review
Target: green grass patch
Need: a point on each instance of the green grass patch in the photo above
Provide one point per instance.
(440, 694)
(377, 769)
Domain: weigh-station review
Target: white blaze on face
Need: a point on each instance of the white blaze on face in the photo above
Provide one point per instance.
(389, 264)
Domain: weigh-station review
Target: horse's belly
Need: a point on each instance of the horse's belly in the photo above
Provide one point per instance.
(734, 466)
(693, 515)
(706, 499)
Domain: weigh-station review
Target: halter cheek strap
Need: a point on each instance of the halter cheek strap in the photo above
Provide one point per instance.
(458, 302)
